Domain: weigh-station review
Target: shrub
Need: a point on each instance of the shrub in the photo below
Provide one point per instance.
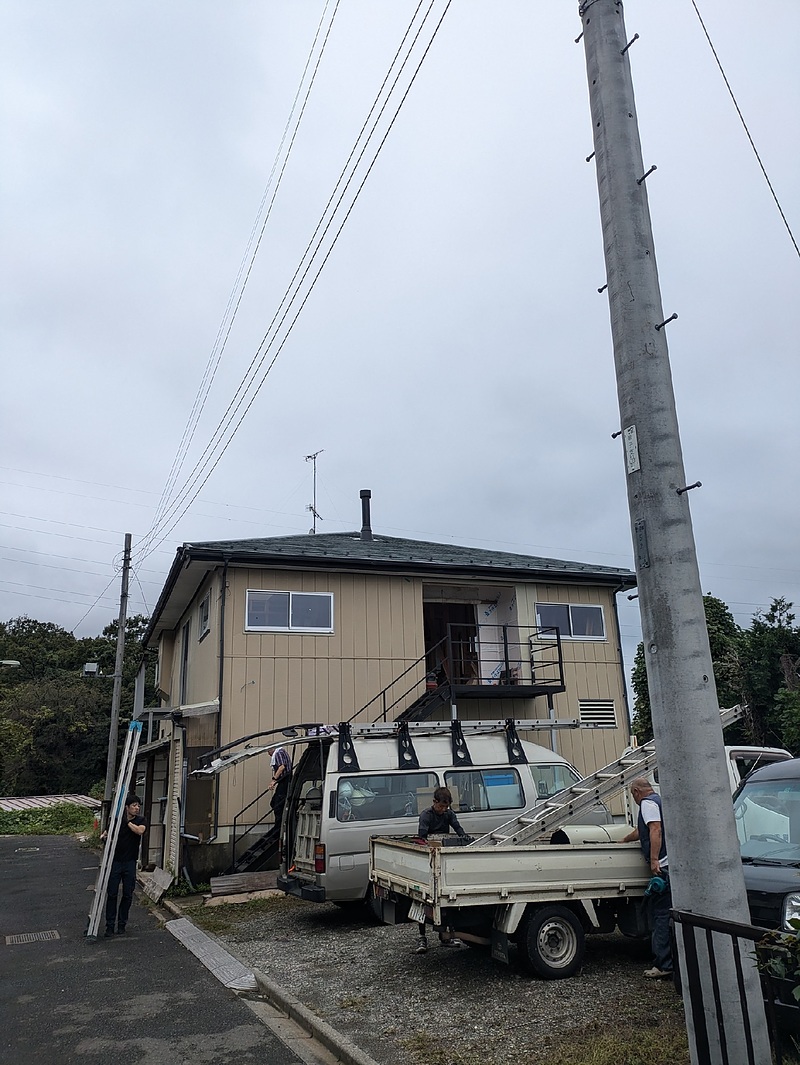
(60, 820)
(778, 955)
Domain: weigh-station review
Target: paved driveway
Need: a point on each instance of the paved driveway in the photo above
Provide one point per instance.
(138, 999)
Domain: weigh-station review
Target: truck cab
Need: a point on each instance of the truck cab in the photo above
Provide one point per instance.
(767, 811)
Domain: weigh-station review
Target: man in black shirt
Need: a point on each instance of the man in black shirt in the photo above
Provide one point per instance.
(438, 819)
(123, 865)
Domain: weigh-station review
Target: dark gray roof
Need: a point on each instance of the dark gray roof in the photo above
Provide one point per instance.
(347, 551)
(349, 547)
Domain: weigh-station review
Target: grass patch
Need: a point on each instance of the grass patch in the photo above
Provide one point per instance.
(354, 1002)
(182, 889)
(607, 1044)
(427, 1049)
(61, 820)
(229, 915)
(620, 1043)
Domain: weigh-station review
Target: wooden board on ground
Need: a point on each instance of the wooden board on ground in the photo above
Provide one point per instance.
(237, 883)
(158, 882)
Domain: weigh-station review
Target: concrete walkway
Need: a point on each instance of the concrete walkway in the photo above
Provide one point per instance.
(137, 999)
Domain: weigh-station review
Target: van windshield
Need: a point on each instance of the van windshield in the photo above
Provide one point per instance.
(379, 796)
(767, 816)
(549, 779)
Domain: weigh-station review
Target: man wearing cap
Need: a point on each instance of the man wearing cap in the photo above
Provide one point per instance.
(650, 833)
(123, 865)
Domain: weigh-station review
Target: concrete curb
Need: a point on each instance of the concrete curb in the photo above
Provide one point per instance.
(344, 1050)
(334, 1041)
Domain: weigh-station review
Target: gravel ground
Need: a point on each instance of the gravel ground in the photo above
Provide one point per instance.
(448, 1007)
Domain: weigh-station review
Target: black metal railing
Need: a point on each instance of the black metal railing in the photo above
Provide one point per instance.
(505, 655)
(236, 838)
(484, 661)
(717, 935)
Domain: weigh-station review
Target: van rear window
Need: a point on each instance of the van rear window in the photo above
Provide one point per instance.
(485, 789)
(377, 797)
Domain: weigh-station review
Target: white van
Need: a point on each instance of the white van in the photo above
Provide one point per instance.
(346, 789)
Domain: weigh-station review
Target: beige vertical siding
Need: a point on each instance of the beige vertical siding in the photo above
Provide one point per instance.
(592, 670)
(203, 661)
(277, 679)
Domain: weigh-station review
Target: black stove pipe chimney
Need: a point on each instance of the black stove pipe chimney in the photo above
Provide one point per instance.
(366, 530)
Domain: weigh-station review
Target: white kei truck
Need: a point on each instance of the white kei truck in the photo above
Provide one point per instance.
(539, 882)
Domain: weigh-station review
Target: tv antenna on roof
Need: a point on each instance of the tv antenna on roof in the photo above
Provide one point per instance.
(313, 505)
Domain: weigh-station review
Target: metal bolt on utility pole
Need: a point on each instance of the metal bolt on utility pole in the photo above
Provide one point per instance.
(703, 848)
(116, 697)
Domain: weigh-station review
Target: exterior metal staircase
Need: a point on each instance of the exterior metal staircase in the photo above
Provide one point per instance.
(258, 854)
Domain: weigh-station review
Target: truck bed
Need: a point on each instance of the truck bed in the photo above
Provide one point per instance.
(452, 876)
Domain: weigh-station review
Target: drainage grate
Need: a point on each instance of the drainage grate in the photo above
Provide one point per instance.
(32, 937)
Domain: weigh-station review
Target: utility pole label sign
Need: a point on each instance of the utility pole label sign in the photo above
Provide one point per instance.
(631, 449)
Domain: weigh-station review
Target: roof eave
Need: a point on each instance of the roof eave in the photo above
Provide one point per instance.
(188, 554)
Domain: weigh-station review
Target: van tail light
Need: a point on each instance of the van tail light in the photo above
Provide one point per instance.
(319, 858)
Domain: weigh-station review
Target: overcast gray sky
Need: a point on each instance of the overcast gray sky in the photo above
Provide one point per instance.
(454, 354)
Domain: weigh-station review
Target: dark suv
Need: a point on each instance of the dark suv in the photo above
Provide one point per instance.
(767, 810)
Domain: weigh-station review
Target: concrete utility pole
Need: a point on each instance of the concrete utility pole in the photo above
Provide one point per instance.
(116, 697)
(703, 848)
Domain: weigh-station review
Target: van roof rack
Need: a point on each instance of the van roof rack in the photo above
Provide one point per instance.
(212, 763)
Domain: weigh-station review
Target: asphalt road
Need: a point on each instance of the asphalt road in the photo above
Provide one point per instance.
(137, 999)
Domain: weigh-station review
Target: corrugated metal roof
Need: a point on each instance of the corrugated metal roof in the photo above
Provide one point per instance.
(38, 802)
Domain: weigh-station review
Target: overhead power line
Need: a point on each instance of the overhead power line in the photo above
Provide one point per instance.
(245, 269)
(316, 255)
(747, 131)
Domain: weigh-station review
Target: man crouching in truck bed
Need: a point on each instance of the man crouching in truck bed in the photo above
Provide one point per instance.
(438, 819)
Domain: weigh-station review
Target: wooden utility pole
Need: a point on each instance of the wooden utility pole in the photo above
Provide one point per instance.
(116, 698)
(703, 848)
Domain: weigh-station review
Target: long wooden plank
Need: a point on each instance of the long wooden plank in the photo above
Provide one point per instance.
(237, 883)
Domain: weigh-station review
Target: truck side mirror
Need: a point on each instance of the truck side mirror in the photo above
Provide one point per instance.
(314, 798)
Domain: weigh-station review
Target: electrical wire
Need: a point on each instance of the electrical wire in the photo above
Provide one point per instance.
(94, 604)
(256, 362)
(240, 285)
(205, 466)
(747, 131)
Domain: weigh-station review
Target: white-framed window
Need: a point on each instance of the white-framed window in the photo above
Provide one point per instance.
(574, 621)
(598, 713)
(269, 611)
(204, 615)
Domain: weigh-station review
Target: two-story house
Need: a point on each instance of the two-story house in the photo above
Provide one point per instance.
(261, 634)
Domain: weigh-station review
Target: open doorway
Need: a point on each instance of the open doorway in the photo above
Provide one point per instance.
(458, 660)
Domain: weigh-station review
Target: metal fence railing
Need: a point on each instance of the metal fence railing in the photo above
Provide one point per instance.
(703, 938)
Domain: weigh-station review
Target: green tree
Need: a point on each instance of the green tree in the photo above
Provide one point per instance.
(54, 722)
(723, 637)
(757, 666)
(768, 649)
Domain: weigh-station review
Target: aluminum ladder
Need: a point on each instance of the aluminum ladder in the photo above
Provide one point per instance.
(565, 806)
(126, 768)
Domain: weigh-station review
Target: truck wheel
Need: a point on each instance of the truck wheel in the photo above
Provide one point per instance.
(552, 942)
